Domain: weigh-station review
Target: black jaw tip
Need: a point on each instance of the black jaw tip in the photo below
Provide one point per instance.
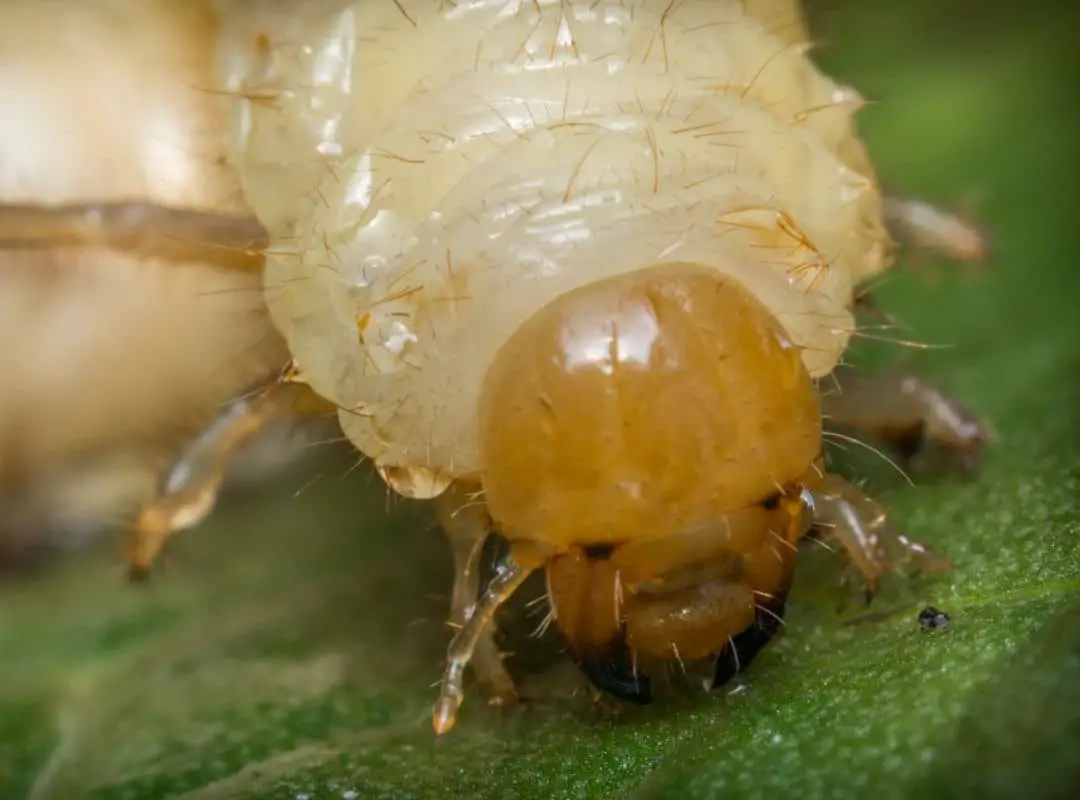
(743, 648)
(612, 671)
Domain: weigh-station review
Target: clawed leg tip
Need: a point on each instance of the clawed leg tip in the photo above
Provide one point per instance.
(443, 721)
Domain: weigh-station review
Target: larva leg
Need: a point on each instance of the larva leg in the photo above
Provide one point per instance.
(842, 513)
(907, 413)
(508, 578)
(919, 225)
(190, 488)
(468, 525)
(175, 233)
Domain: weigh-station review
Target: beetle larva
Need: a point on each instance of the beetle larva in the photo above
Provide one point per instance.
(584, 261)
(111, 359)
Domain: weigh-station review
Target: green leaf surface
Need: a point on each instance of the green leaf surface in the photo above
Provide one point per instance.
(290, 647)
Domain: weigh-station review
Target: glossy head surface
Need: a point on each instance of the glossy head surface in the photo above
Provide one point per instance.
(643, 406)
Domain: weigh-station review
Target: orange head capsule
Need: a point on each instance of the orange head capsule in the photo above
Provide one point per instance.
(648, 438)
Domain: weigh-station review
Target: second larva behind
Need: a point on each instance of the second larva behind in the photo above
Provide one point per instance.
(584, 261)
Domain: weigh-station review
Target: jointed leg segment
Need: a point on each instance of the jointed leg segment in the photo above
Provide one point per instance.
(230, 241)
(919, 225)
(844, 514)
(467, 526)
(907, 413)
(509, 577)
(189, 490)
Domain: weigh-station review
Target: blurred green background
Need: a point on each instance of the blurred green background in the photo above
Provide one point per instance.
(290, 647)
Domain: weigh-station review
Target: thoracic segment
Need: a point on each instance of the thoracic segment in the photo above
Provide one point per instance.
(470, 164)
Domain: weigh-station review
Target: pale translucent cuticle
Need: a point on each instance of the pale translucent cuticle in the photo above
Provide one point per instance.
(434, 174)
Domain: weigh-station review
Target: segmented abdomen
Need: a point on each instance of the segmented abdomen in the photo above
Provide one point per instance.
(435, 172)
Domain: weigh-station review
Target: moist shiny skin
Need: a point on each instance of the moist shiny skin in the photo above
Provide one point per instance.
(436, 173)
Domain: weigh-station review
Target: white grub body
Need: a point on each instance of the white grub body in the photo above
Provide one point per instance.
(111, 360)
(436, 172)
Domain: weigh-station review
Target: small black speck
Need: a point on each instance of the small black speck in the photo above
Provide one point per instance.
(931, 619)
